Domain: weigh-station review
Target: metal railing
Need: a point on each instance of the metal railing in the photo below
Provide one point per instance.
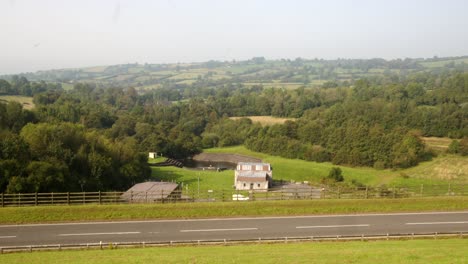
(192, 195)
(143, 244)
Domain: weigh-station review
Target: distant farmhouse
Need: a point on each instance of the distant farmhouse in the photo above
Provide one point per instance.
(152, 192)
(253, 176)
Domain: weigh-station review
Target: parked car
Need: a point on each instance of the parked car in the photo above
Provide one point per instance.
(239, 197)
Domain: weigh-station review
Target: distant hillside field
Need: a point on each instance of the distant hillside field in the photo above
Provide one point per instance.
(265, 120)
(276, 74)
(437, 143)
(27, 102)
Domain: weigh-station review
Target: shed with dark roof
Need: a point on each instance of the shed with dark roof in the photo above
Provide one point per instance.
(152, 191)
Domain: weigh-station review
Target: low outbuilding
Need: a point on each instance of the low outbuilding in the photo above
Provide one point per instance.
(152, 192)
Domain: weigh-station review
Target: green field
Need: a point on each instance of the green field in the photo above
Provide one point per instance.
(410, 251)
(442, 170)
(442, 63)
(65, 213)
(26, 101)
(208, 180)
(284, 169)
(264, 120)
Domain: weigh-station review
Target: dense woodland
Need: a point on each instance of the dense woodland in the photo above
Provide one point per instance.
(95, 137)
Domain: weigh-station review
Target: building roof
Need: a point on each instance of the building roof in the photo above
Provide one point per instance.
(150, 191)
(252, 179)
(252, 174)
(253, 163)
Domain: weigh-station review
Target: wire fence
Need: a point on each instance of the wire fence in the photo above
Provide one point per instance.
(195, 195)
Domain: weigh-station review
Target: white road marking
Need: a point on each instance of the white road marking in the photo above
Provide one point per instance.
(220, 230)
(7, 236)
(99, 234)
(233, 219)
(437, 223)
(333, 226)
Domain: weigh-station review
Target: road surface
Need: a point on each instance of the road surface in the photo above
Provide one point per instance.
(232, 228)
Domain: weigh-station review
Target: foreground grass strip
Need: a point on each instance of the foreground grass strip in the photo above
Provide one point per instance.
(410, 251)
(43, 214)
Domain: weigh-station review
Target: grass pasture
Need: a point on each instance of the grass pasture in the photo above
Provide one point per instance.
(438, 144)
(442, 63)
(265, 120)
(442, 170)
(209, 180)
(26, 101)
(313, 172)
(96, 69)
(440, 251)
(448, 168)
(276, 85)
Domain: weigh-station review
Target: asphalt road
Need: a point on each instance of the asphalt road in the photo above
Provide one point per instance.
(232, 228)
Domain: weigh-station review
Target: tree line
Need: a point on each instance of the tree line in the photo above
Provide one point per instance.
(97, 138)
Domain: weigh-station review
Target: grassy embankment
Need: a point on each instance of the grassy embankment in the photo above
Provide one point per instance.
(411, 251)
(42, 214)
(442, 170)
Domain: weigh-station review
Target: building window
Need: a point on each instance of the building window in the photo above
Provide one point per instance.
(258, 185)
(244, 184)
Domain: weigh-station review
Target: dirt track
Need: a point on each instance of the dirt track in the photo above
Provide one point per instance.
(220, 157)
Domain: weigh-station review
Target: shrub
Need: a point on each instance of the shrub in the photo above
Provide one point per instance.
(335, 174)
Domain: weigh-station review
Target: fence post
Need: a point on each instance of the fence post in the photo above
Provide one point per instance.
(421, 190)
(449, 189)
(35, 198)
(52, 198)
(99, 197)
(68, 198)
(222, 195)
(131, 196)
(394, 192)
(339, 192)
(19, 199)
(84, 197)
(3, 201)
(367, 192)
(162, 196)
(146, 197)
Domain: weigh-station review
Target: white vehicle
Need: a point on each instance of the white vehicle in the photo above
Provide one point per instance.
(239, 197)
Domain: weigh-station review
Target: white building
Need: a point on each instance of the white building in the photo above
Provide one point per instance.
(152, 155)
(253, 176)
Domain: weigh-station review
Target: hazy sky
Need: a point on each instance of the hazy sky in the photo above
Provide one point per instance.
(50, 34)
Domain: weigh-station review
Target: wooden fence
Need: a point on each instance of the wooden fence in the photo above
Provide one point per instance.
(186, 195)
